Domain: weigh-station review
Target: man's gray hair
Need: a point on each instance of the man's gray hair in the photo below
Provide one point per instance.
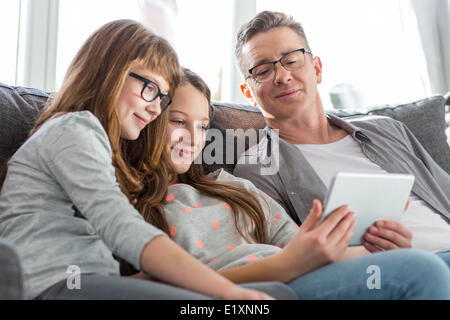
(263, 22)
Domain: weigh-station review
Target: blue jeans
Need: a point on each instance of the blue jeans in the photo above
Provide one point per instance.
(391, 275)
(445, 256)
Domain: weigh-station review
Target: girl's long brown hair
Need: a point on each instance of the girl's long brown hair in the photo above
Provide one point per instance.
(244, 205)
(94, 82)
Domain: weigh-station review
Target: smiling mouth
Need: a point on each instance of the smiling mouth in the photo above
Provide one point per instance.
(141, 120)
(183, 153)
(287, 93)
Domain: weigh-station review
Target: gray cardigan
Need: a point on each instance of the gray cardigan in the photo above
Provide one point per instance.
(61, 205)
(386, 142)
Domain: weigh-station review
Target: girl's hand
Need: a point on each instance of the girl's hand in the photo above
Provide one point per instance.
(142, 276)
(317, 245)
(235, 292)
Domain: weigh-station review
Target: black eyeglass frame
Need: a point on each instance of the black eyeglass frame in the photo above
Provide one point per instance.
(164, 98)
(250, 75)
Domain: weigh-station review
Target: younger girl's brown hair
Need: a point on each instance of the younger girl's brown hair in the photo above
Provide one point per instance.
(244, 205)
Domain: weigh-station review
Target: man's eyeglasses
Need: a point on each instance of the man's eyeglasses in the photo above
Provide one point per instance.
(150, 91)
(291, 61)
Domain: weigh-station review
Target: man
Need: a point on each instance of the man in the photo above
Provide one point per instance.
(281, 77)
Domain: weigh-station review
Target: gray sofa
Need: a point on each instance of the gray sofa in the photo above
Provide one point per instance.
(426, 118)
(20, 107)
(11, 277)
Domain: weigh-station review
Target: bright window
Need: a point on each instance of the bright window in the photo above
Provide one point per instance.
(78, 19)
(200, 27)
(203, 40)
(9, 24)
(370, 50)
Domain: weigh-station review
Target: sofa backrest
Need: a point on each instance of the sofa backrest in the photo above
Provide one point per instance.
(425, 118)
(20, 108)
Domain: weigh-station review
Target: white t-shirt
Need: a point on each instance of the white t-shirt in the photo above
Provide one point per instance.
(430, 231)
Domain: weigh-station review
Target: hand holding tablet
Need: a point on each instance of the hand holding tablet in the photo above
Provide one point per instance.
(372, 197)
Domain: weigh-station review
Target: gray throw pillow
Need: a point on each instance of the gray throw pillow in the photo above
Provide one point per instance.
(426, 120)
(19, 109)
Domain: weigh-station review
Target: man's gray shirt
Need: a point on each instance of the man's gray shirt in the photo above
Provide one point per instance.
(385, 141)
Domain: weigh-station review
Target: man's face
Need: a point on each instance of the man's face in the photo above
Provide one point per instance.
(289, 92)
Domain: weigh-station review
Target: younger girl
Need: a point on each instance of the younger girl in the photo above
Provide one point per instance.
(236, 229)
(70, 193)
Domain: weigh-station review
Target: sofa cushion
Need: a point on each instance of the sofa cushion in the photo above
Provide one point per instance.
(425, 118)
(11, 274)
(20, 107)
(19, 110)
(222, 150)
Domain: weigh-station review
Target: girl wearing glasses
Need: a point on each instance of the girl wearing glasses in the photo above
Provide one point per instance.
(73, 194)
(233, 227)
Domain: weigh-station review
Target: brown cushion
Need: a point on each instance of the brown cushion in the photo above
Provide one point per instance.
(230, 116)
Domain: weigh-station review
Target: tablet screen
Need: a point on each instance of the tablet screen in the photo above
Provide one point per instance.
(372, 197)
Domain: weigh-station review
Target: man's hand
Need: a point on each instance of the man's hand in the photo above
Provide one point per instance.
(387, 235)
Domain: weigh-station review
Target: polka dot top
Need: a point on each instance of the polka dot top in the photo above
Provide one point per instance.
(205, 227)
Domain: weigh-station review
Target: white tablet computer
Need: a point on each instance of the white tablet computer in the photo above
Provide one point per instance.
(372, 197)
